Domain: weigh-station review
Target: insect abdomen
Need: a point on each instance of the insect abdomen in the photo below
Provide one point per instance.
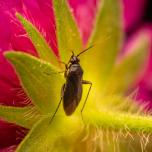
(73, 90)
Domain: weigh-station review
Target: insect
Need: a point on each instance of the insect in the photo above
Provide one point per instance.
(71, 91)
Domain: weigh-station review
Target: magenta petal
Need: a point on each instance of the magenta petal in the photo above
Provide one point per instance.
(133, 12)
(10, 134)
(144, 85)
(5, 33)
(9, 85)
(9, 149)
(39, 12)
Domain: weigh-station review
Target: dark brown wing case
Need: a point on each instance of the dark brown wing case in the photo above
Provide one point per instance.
(73, 89)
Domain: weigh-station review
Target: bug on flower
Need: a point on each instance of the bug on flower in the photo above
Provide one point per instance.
(71, 92)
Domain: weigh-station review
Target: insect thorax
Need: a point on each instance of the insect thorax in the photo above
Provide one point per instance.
(76, 69)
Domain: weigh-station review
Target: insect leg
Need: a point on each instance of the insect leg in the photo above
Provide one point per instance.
(58, 104)
(90, 83)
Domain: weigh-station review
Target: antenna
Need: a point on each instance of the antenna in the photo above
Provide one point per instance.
(85, 50)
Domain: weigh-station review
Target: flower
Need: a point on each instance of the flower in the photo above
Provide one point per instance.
(13, 38)
(38, 66)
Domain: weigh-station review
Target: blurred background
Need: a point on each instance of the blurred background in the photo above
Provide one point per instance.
(137, 14)
(138, 17)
